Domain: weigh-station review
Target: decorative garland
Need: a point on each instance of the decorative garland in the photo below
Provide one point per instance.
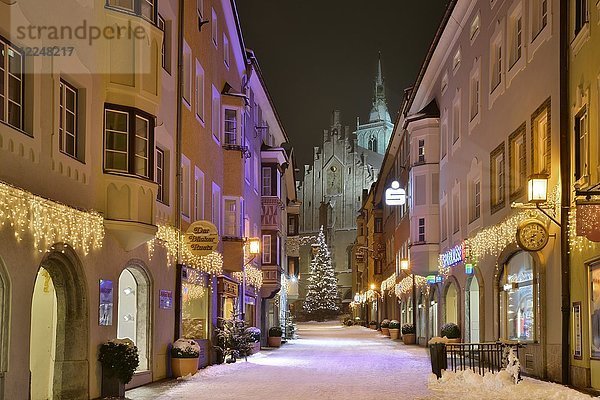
(405, 285)
(254, 276)
(49, 222)
(389, 283)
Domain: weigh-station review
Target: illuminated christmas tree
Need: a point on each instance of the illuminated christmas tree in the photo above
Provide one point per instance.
(322, 297)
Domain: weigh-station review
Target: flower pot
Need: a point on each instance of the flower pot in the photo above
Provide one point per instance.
(255, 348)
(184, 366)
(373, 327)
(385, 331)
(111, 385)
(409, 338)
(274, 341)
(394, 333)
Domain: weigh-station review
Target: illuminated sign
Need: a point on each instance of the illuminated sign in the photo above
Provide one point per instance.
(431, 279)
(395, 196)
(454, 256)
(202, 238)
(469, 269)
(439, 278)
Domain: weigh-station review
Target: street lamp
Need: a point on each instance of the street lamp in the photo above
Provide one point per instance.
(254, 250)
(405, 266)
(537, 189)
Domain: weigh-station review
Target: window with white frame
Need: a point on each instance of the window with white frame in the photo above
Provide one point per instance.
(143, 8)
(456, 122)
(185, 187)
(455, 212)
(539, 17)
(161, 175)
(215, 113)
(128, 141)
(232, 217)
(267, 185)
(541, 139)
(444, 139)
(231, 127)
(200, 7)
(199, 194)
(421, 151)
(247, 164)
(421, 227)
(266, 244)
(216, 206)
(199, 90)
(67, 127)
(456, 60)
(581, 15)
(444, 221)
(187, 74)
(165, 50)
(226, 51)
(515, 32)
(11, 85)
(518, 162)
(475, 200)
(496, 55)
(475, 27)
(215, 28)
(256, 171)
(445, 82)
(475, 94)
(582, 145)
(497, 178)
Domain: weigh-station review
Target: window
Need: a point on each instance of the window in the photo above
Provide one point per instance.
(226, 51)
(215, 112)
(541, 139)
(421, 230)
(256, 171)
(266, 243)
(165, 51)
(247, 164)
(187, 74)
(497, 178)
(378, 225)
(475, 209)
(292, 224)
(232, 218)
(445, 82)
(421, 154)
(214, 30)
(199, 91)
(496, 54)
(185, 188)
(475, 96)
(199, 194)
(455, 212)
(517, 298)
(266, 181)
(373, 143)
(200, 7)
(128, 141)
(516, 38)
(142, 8)
(231, 136)
(539, 16)
(456, 120)
(518, 162)
(216, 206)
(581, 15)
(444, 139)
(582, 145)
(456, 60)
(160, 175)
(475, 26)
(11, 85)
(444, 222)
(67, 127)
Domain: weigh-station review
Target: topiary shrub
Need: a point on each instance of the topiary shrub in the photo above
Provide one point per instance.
(385, 323)
(394, 324)
(408, 329)
(373, 323)
(120, 359)
(451, 330)
(185, 348)
(348, 322)
(275, 331)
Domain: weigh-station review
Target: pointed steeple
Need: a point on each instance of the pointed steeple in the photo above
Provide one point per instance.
(379, 112)
(379, 80)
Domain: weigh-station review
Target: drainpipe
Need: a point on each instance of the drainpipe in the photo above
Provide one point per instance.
(565, 178)
(180, 30)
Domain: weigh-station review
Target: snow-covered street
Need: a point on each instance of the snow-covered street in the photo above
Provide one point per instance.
(328, 361)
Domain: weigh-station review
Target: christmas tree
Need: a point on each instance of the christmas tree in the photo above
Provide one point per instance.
(322, 297)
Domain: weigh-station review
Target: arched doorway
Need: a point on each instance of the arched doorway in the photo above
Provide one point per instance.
(433, 311)
(58, 358)
(451, 303)
(472, 306)
(134, 311)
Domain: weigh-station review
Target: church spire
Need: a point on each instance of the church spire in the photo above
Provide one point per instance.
(379, 112)
(379, 80)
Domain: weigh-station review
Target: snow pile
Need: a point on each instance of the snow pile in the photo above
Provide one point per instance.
(469, 385)
(187, 345)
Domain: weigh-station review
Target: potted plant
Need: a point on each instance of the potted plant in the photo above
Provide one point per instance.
(255, 335)
(451, 331)
(385, 327)
(274, 339)
(408, 334)
(373, 325)
(394, 329)
(184, 357)
(119, 359)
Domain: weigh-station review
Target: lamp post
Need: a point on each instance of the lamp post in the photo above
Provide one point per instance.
(405, 266)
(253, 250)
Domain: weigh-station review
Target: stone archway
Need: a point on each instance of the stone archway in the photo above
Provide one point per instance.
(70, 363)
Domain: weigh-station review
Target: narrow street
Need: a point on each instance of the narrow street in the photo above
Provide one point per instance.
(328, 361)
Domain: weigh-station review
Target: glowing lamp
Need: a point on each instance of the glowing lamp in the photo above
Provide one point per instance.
(372, 286)
(538, 189)
(254, 246)
(357, 298)
(404, 265)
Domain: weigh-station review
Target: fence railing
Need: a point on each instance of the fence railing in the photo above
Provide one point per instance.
(482, 358)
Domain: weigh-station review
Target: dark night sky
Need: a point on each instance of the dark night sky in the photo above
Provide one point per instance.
(321, 55)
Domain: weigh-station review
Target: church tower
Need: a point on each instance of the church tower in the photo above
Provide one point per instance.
(376, 133)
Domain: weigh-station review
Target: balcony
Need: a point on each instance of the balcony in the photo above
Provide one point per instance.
(233, 254)
(129, 209)
(271, 213)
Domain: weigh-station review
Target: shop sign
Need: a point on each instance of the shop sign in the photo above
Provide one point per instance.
(202, 238)
(454, 256)
(394, 195)
(439, 278)
(430, 279)
(166, 300)
(469, 269)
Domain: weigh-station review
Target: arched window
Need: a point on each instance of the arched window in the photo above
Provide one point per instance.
(517, 298)
(373, 143)
(472, 305)
(451, 302)
(433, 312)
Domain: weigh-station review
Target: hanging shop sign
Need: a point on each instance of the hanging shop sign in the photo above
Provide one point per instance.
(202, 238)
(469, 269)
(394, 195)
(430, 279)
(454, 256)
(588, 221)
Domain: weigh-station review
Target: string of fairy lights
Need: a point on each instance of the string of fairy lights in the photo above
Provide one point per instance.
(254, 276)
(388, 283)
(406, 284)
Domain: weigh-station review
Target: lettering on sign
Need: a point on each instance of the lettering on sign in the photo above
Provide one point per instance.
(454, 256)
(394, 195)
(202, 238)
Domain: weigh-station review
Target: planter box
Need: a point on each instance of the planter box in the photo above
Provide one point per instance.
(112, 386)
(274, 341)
(184, 366)
(394, 333)
(409, 338)
(385, 331)
(255, 348)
